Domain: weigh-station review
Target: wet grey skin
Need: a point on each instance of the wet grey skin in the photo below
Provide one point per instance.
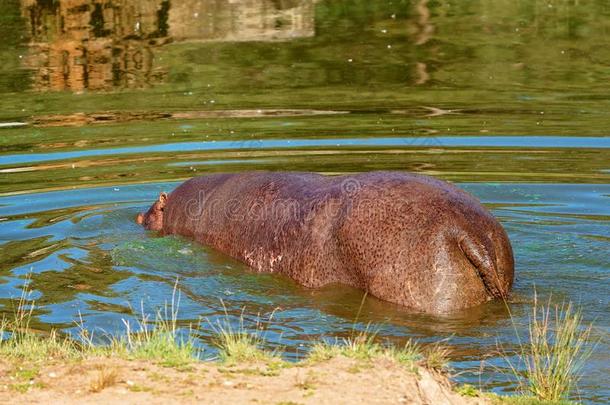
(409, 239)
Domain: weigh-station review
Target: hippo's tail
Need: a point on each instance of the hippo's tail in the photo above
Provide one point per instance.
(483, 259)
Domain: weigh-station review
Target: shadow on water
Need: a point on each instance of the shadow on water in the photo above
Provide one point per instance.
(105, 103)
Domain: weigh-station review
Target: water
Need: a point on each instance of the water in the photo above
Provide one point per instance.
(103, 105)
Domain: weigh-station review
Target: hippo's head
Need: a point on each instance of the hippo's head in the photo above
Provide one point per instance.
(153, 218)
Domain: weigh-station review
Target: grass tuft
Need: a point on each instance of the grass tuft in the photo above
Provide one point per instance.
(523, 400)
(19, 341)
(157, 340)
(30, 346)
(238, 345)
(106, 377)
(360, 346)
(363, 347)
(467, 390)
(323, 351)
(436, 356)
(549, 364)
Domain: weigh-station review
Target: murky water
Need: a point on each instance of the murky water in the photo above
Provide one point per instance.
(104, 104)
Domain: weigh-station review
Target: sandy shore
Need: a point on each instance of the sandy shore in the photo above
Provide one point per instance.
(336, 381)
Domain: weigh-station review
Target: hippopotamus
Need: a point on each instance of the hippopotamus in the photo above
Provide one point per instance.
(405, 238)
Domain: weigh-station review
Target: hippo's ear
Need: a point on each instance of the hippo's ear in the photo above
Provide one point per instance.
(163, 199)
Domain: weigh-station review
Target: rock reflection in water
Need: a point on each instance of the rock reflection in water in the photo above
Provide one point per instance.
(80, 44)
(246, 20)
(106, 44)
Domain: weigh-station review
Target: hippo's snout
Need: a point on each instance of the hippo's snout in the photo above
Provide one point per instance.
(152, 219)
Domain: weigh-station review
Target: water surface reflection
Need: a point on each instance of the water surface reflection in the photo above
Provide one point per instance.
(106, 44)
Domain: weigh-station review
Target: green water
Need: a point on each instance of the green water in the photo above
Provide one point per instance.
(104, 104)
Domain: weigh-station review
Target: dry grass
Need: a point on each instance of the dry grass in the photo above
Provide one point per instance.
(436, 356)
(106, 377)
(308, 382)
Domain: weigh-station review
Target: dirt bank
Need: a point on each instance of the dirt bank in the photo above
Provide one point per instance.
(336, 381)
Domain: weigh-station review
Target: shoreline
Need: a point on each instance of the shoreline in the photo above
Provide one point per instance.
(153, 363)
(98, 380)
